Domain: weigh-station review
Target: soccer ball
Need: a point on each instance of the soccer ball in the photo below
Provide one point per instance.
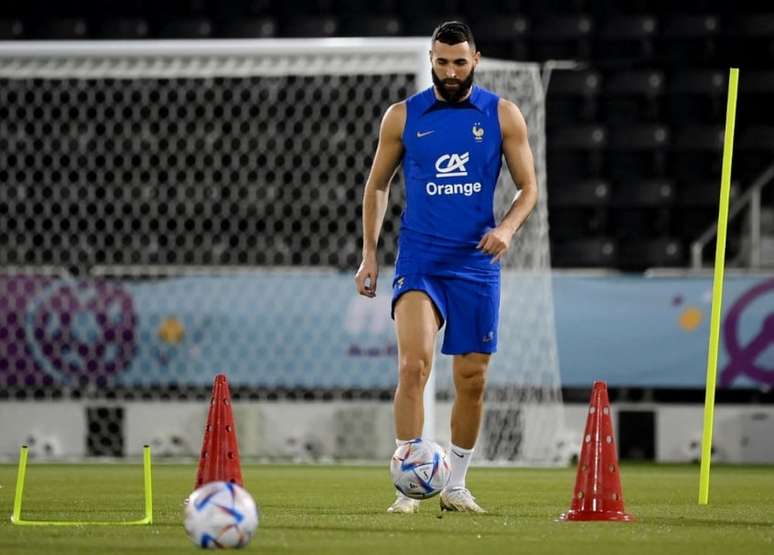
(419, 469)
(220, 515)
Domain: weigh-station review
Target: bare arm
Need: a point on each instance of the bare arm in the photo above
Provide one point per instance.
(518, 156)
(389, 153)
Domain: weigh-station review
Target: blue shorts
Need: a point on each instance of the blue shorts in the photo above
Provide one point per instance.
(470, 308)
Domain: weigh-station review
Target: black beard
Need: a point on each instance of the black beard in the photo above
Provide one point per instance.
(452, 95)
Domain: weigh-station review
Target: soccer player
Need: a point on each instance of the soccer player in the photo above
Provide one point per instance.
(451, 139)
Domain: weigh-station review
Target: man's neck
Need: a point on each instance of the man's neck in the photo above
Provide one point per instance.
(442, 99)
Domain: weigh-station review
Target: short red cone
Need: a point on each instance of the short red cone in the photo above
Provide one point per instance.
(597, 494)
(219, 459)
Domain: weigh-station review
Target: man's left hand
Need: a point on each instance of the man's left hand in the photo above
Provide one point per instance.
(496, 242)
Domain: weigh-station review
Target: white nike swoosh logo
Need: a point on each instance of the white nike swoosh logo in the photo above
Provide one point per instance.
(420, 134)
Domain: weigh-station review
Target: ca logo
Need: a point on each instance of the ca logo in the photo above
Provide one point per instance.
(452, 165)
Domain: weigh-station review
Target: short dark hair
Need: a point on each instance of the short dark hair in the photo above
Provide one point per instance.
(454, 32)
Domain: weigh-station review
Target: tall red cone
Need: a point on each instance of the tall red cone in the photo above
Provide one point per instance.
(219, 459)
(597, 494)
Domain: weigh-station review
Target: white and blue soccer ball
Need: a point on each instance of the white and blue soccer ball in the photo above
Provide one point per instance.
(419, 469)
(220, 515)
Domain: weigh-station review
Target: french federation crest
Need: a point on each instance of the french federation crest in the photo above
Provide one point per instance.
(478, 132)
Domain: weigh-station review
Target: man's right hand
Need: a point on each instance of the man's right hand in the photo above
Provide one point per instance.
(365, 278)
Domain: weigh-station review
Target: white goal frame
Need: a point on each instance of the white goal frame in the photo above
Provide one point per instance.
(231, 58)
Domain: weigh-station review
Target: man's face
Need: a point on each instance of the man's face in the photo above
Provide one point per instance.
(453, 68)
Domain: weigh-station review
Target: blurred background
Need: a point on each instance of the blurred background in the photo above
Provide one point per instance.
(158, 228)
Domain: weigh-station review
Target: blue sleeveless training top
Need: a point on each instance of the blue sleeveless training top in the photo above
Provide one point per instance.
(451, 162)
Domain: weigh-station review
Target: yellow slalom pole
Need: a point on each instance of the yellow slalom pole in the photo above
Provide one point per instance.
(21, 474)
(717, 289)
(146, 456)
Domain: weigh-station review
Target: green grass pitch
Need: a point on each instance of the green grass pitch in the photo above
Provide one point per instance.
(341, 509)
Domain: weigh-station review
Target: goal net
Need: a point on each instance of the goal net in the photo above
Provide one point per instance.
(177, 209)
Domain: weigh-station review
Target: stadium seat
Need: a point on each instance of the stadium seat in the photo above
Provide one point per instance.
(365, 9)
(579, 208)
(573, 97)
(587, 252)
(637, 152)
(504, 7)
(753, 150)
(563, 37)
(579, 193)
(582, 137)
(310, 26)
(122, 28)
(423, 25)
(749, 41)
(689, 40)
(259, 27)
(11, 29)
(296, 8)
(627, 38)
(755, 24)
(61, 29)
(697, 152)
(225, 12)
(700, 193)
(698, 205)
(190, 28)
(643, 208)
(634, 96)
(576, 152)
(697, 96)
(505, 36)
(548, 8)
(647, 193)
(441, 10)
(756, 91)
(371, 26)
(634, 255)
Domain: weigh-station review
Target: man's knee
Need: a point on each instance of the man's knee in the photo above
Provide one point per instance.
(413, 371)
(470, 375)
(472, 385)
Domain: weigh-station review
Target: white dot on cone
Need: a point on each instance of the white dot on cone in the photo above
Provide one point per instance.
(609, 439)
(592, 410)
(588, 438)
(606, 410)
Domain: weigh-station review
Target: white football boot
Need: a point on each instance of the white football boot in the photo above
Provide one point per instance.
(460, 500)
(403, 504)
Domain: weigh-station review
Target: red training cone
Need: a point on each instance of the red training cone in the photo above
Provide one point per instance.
(219, 459)
(598, 494)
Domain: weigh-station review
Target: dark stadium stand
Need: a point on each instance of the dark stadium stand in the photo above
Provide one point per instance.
(122, 28)
(627, 39)
(11, 29)
(371, 26)
(688, 39)
(564, 37)
(579, 209)
(248, 28)
(187, 28)
(634, 137)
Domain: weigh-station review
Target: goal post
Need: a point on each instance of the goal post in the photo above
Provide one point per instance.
(201, 199)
